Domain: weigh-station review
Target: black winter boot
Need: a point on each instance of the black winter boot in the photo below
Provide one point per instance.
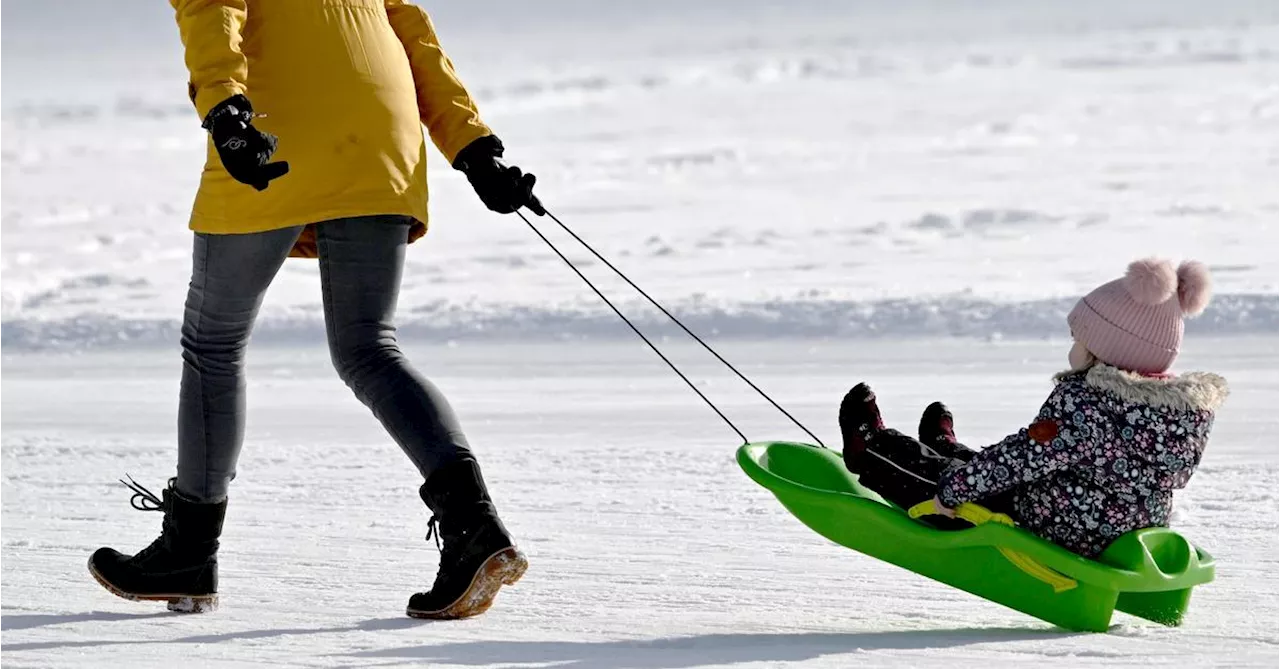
(477, 555)
(897, 467)
(937, 430)
(860, 421)
(180, 567)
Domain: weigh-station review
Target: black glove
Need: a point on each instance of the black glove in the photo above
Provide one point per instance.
(244, 149)
(501, 188)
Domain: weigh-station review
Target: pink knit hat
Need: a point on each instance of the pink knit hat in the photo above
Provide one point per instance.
(1135, 322)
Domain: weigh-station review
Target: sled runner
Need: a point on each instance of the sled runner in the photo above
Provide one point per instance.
(1147, 573)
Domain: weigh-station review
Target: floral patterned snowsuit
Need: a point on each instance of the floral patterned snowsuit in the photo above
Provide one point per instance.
(1102, 458)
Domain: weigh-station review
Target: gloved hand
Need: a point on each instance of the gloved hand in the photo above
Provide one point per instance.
(502, 188)
(244, 149)
(942, 509)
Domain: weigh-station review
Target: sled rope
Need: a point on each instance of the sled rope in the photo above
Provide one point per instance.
(635, 329)
(979, 515)
(669, 315)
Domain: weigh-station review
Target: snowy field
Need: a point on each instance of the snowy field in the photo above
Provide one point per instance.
(909, 192)
(649, 547)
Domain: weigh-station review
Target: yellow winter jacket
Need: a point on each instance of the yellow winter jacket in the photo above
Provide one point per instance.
(347, 86)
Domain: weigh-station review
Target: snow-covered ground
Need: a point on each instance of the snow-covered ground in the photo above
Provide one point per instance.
(830, 189)
(649, 547)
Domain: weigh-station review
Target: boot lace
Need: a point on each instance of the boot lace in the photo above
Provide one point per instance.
(446, 557)
(145, 500)
(450, 548)
(433, 532)
(142, 499)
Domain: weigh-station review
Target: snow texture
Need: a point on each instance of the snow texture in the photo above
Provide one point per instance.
(648, 546)
(912, 193)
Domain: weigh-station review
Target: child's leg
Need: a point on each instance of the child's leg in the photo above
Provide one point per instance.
(903, 470)
(899, 468)
(937, 431)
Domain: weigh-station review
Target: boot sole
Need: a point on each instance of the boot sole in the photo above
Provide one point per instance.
(502, 568)
(178, 603)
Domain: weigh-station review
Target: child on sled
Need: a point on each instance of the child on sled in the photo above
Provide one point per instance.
(1116, 437)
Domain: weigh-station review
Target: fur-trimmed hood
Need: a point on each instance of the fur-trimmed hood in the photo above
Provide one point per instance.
(1193, 391)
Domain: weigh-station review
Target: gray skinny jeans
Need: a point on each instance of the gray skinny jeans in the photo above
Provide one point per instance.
(361, 262)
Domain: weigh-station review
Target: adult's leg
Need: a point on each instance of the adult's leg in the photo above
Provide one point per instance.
(360, 266)
(230, 275)
(361, 263)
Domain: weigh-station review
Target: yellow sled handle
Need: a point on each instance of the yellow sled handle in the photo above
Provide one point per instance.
(980, 515)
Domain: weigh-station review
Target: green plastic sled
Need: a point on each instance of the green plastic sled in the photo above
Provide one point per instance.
(1146, 573)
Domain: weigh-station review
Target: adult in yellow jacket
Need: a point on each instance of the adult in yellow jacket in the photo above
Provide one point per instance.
(315, 113)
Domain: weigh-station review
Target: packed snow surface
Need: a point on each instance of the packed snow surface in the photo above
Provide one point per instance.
(910, 193)
(648, 546)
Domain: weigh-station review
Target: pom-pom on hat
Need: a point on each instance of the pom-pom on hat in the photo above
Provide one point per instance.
(1136, 322)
